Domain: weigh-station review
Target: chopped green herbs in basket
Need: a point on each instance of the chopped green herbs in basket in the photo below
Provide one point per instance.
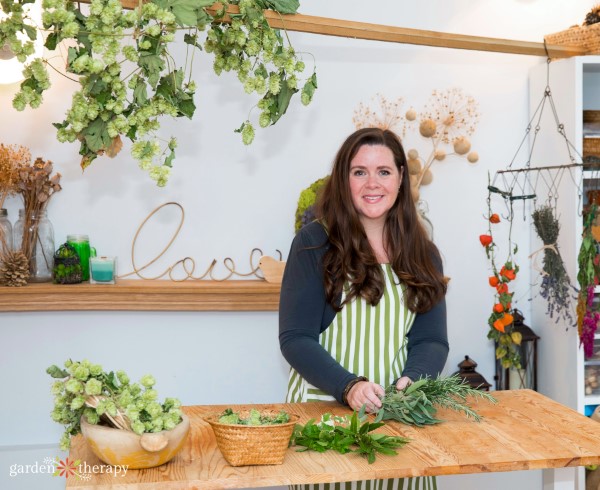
(417, 404)
(253, 417)
(346, 434)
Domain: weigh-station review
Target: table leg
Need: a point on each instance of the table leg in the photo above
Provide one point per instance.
(560, 478)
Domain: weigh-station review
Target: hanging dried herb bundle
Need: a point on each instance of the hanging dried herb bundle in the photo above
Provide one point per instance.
(588, 259)
(556, 286)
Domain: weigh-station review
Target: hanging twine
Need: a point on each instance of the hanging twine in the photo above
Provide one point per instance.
(536, 266)
(187, 265)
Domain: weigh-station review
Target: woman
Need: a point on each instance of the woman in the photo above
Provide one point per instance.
(362, 300)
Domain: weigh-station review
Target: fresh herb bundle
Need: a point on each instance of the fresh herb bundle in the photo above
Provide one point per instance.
(417, 403)
(556, 286)
(347, 434)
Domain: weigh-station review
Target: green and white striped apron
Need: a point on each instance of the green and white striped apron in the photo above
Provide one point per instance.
(367, 341)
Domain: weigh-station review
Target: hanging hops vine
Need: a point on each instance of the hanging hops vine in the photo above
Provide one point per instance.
(129, 79)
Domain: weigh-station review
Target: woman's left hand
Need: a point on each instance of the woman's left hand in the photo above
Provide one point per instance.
(403, 382)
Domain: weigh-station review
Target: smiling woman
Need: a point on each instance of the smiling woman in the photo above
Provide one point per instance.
(362, 299)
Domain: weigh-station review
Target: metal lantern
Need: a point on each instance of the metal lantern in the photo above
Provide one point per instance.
(472, 377)
(526, 377)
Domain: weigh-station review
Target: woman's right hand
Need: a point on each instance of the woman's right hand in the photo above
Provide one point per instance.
(365, 393)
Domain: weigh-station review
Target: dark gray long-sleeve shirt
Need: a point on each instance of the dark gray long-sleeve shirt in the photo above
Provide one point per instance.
(304, 313)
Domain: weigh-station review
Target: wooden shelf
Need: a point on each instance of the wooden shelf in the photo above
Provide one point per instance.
(144, 295)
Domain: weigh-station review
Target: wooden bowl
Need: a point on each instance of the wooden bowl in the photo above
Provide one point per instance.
(126, 448)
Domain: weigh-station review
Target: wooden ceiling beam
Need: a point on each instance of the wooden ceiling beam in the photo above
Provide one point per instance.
(377, 32)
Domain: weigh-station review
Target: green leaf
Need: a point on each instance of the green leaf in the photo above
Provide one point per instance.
(188, 13)
(96, 135)
(169, 160)
(187, 107)
(57, 372)
(185, 12)
(140, 92)
(152, 65)
(283, 101)
(51, 41)
(192, 40)
(283, 6)
(30, 31)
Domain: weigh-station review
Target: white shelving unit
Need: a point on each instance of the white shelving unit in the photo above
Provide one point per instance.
(575, 87)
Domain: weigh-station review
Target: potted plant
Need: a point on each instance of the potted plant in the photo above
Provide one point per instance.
(124, 422)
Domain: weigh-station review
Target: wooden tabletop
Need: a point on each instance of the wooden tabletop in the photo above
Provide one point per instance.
(524, 431)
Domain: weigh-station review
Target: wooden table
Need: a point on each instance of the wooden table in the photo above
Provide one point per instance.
(524, 431)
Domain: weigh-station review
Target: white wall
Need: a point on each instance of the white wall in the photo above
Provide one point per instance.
(237, 198)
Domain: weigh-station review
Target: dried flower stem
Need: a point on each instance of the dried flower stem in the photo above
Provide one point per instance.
(36, 186)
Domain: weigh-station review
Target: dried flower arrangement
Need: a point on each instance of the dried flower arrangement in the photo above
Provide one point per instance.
(14, 266)
(448, 119)
(36, 185)
(556, 286)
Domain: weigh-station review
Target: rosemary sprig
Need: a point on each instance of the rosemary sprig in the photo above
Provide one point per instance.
(417, 404)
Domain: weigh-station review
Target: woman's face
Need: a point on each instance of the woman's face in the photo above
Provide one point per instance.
(374, 183)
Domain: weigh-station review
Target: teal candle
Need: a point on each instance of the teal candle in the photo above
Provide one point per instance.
(102, 269)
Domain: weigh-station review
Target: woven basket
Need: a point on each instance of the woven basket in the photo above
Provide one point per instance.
(586, 37)
(243, 445)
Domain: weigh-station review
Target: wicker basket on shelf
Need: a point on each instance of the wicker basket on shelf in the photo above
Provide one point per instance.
(586, 37)
(243, 445)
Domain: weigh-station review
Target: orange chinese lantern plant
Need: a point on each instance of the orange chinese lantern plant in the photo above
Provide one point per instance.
(498, 325)
(509, 274)
(494, 281)
(485, 240)
(494, 218)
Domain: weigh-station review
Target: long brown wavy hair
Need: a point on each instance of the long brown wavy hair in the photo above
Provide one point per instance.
(350, 258)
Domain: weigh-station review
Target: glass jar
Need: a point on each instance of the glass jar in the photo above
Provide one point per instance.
(422, 210)
(6, 232)
(34, 236)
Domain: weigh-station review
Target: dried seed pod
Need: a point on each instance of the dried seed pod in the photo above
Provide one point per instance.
(427, 128)
(411, 114)
(473, 157)
(439, 155)
(462, 145)
(427, 177)
(414, 166)
(412, 154)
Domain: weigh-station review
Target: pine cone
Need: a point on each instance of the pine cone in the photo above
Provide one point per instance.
(14, 268)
